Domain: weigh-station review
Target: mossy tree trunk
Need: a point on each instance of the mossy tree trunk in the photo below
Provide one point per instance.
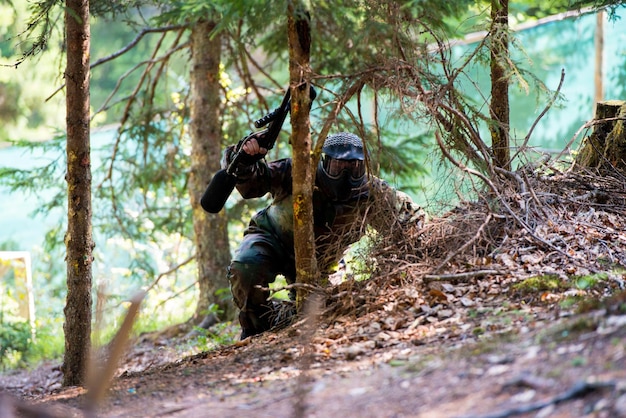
(78, 239)
(499, 106)
(605, 148)
(211, 230)
(299, 35)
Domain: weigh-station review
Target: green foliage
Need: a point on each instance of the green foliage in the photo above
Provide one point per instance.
(187, 12)
(529, 10)
(15, 332)
(15, 339)
(148, 180)
(117, 9)
(39, 29)
(278, 289)
(220, 335)
(579, 293)
(610, 5)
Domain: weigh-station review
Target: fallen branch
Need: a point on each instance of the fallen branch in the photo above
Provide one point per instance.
(461, 276)
(579, 389)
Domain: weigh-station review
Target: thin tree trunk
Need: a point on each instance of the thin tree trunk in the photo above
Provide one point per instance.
(211, 230)
(78, 240)
(500, 84)
(299, 35)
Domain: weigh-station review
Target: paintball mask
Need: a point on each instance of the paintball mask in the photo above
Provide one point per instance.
(341, 170)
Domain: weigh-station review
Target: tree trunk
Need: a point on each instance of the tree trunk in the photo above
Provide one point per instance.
(500, 84)
(299, 35)
(605, 148)
(78, 240)
(211, 230)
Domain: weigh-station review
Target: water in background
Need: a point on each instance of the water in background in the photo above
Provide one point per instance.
(17, 224)
(547, 50)
(17, 221)
(566, 44)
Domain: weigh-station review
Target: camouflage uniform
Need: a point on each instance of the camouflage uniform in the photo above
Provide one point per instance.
(267, 249)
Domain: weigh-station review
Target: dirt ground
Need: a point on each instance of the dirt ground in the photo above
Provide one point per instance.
(535, 326)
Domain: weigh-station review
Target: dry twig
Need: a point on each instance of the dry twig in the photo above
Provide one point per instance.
(579, 389)
(461, 276)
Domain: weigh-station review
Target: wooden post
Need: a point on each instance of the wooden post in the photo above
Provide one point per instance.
(599, 44)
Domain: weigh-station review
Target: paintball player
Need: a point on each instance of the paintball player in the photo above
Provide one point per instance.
(345, 200)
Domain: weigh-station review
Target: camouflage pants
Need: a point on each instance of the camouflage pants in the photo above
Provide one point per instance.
(257, 262)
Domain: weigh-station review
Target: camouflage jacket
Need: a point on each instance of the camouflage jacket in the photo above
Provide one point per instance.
(336, 224)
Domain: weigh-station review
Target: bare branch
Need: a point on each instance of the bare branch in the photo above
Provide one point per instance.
(502, 201)
(541, 115)
(124, 50)
(476, 236)
(170, 271)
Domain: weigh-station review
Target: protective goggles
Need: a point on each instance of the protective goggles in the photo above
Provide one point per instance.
(334, 168)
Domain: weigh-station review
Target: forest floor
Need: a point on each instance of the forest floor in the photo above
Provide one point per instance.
(518, 310)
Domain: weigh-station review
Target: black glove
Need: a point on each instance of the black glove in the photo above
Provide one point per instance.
(244, 167)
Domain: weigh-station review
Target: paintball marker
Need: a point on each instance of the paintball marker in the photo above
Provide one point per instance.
(224, 181)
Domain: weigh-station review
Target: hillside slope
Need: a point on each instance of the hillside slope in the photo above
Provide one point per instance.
(512, 308)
